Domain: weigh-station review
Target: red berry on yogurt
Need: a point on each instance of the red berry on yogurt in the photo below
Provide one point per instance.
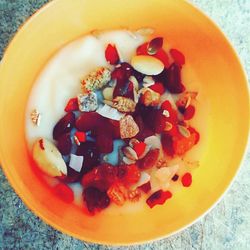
(177, 56)
(111, 54)
(186, 180)
(64, 125)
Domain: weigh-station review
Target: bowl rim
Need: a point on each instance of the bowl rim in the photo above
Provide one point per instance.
(246, 142)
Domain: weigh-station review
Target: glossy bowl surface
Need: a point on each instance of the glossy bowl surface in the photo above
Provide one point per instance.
(214, 65)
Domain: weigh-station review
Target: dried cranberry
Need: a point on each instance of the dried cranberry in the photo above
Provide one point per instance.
(111, 54)
(173, 82)
(115, 127)
(160, 122)
(150, 159)
(178, 57)
(64, 144)
(72, 105)
(95, 199)
(104, 143)
(189, 112)
(145, 187)
(122, 72)
(158, 87)
(72, 175)
(186, 180)
(91, 155)
(139, 148)
(89, 121)
(167, 144)
(144, 131)
(101, 177)
(64, 125)
(64, 192)
(158, 198)
(124, 88)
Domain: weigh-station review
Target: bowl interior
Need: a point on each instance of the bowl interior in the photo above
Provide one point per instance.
(213, 65)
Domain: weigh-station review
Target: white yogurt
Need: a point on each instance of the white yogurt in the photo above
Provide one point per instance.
(60, 79)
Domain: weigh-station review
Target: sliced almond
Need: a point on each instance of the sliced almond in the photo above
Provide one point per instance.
(147, 65)
(130, 153)
(145, 177)
(184, 131)
(134, 81)
(168, 126)
(128, 161)
(48, 158)
(145, 31)
(108, 93)
(153, 141)
(35, 117)
(132, 142)
(109, 112)
(148, 80)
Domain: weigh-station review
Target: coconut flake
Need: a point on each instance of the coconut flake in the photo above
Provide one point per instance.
(145, 177)
(76, 162)
(109, 112)
(154, 141)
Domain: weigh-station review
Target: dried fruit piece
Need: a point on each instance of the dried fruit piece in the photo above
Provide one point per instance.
(88, 102)
(91, 155)
(35, 117)
(117, 193)
(150, 97)
(108, 93)
(150, 159)
(158, 198)
(111, 54)
(48, 158)
(154, 45)
(178, 57)
(104, 142)
(89, 121)
(124, 104)
(129, 174)
(158, 87)
(134, 195)
(96, 80)
(167, 144)
(128, 127)
(64, 125)
(139, 148)
(182, 144)
(186, 180)
(175, 177)
(189, 112)
(146, 187)
(147, 65)
(64, 144)
(95, 199)
(64, 192)
(72, 105)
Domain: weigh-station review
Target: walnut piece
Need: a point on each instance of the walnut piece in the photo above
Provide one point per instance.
(128, 127)
(123, 104)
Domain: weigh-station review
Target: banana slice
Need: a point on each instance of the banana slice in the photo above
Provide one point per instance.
(48, 158)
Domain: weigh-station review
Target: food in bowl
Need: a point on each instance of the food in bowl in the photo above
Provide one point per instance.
(110, 112)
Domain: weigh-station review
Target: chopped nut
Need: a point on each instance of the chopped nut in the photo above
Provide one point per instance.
(130, 153)
(184, 131)
(96, 79)
(128, 161)
(134, 195)
(150, 97)
(168, 126)
(87, 102)
(166, 113)
(35, 117)
(117, 193)
(128, 127)
(124, 104)
(186, 99)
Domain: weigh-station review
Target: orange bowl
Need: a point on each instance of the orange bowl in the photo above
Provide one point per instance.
(212, 64)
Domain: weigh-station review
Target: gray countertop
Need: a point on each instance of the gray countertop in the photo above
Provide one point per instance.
(227, 226)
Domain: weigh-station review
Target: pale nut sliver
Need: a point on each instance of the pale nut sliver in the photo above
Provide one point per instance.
(130, 153)
(48, 158)
(147, 65)
(135, 82)
(108, 93)
(127, 161)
